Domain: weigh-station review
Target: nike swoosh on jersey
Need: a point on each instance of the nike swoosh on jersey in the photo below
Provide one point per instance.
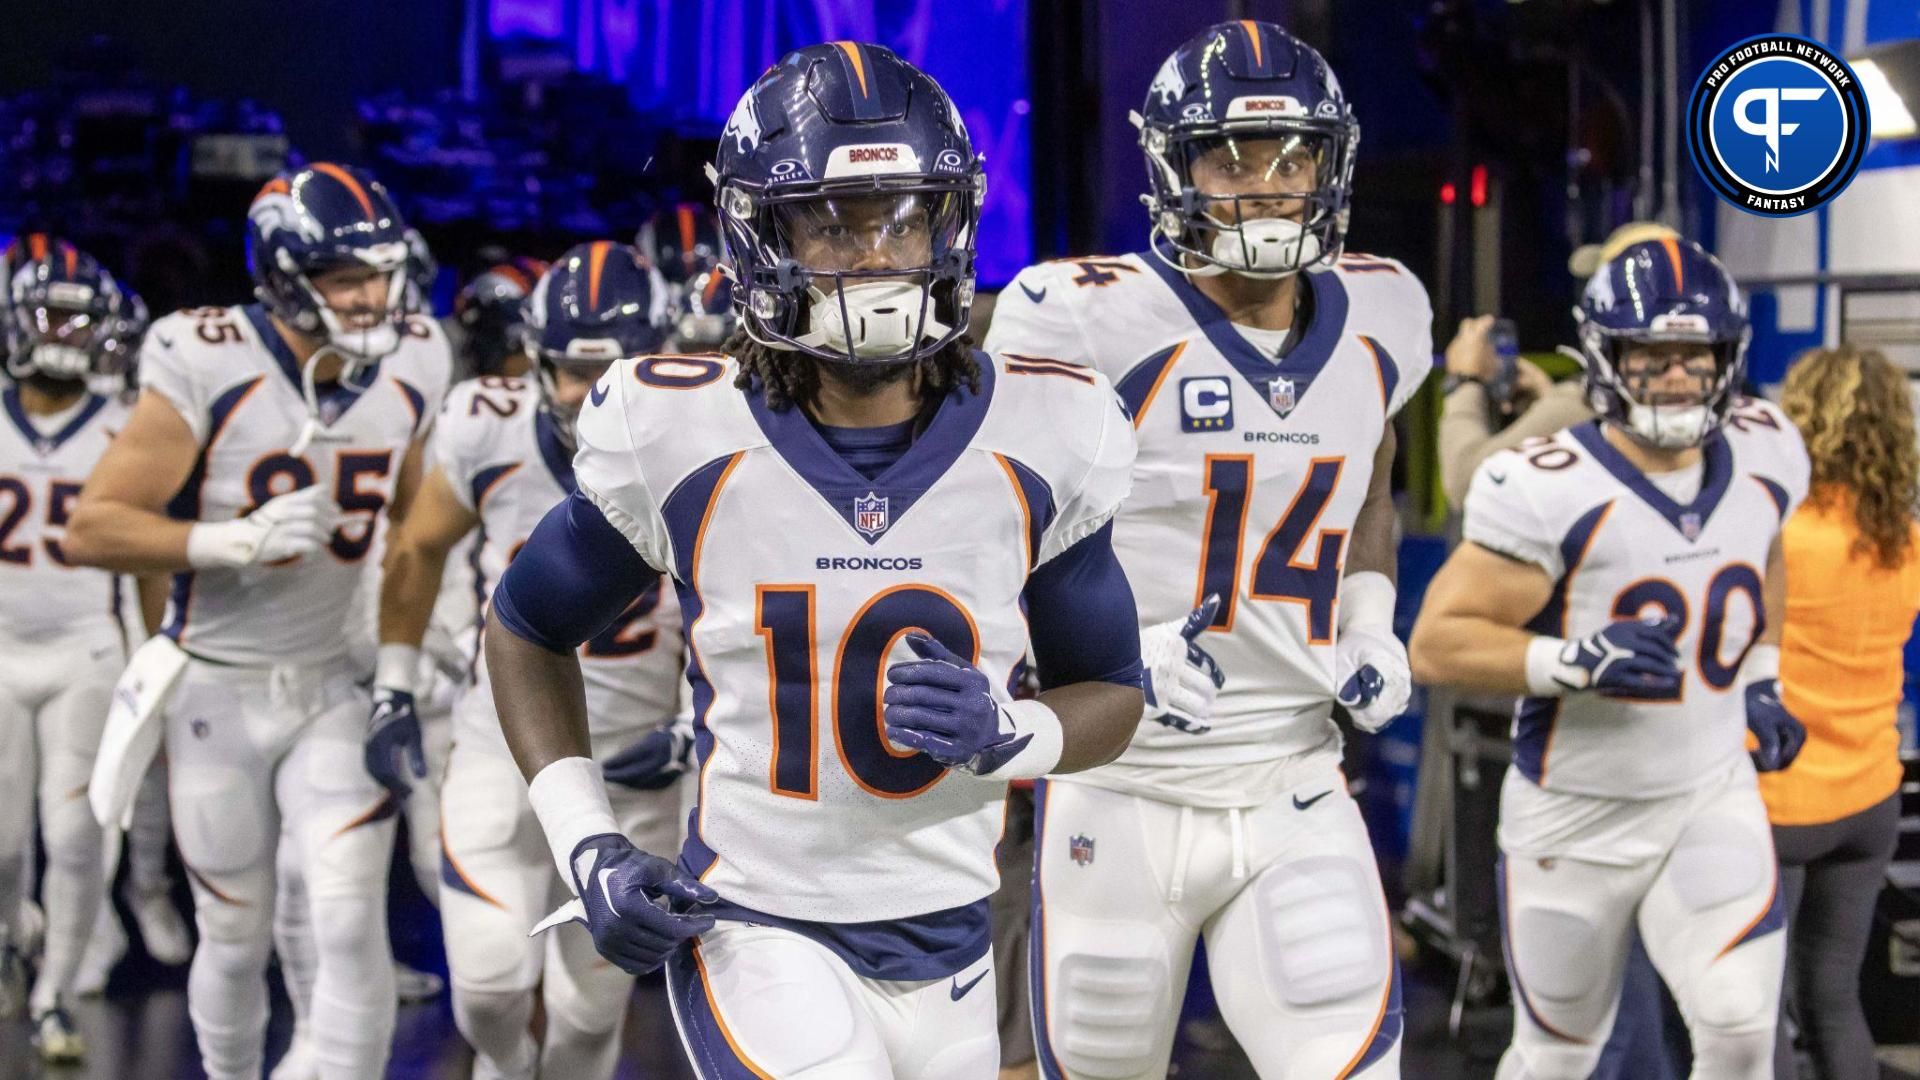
(956, 991)
(1036, 297)
(1498, 478)
(598, 394)
(1299, 805)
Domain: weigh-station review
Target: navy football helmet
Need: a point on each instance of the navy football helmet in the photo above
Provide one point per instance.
(1662, 292)
(329, 217)
(600, 302)
(684, 242)
(422, 271)
(1250, 148)
(67, 318)
(849, 194)
(488, 310)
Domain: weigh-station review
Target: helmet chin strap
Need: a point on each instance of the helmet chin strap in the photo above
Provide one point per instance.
(1669, 427)
(312, 430)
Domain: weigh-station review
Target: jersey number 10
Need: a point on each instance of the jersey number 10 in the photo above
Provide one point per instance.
(784, 616)
(1287, 567)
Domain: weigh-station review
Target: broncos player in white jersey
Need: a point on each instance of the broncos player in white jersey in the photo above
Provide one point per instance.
(1625, 575)
(866, 521)
(1262, 370)
(503, 457)
(266, 441)
(61, 645)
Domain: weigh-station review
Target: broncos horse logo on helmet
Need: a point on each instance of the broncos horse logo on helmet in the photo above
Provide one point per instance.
(1226, 90)
(1663, 292)
(67, 318)
(849, 194)
(329, 217)
(600, 302)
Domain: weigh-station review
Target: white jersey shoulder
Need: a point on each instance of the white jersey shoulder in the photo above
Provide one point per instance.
(480, 429)
(1770, 446)
(1098, 311)
(1062, 424)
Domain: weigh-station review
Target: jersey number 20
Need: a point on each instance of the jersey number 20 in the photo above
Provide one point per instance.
(1288, 566)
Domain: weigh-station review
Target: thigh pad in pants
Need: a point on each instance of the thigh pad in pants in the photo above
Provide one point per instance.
(1322, 926)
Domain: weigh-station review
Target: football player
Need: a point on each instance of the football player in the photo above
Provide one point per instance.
(266, 441)
(1625, 576)
(63, 647)
(502, 457)
(864, 518)
(1263, 368)
(488, 313)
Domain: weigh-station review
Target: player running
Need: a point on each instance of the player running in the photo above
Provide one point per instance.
(864, 519)
(503, 456)
(266, 441)
(61, 645)
(1626, 576)
(1263, 369)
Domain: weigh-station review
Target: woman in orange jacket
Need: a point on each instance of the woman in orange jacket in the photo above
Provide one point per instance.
(1853, 590)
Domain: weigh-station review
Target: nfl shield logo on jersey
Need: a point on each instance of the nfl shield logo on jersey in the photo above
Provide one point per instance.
(1690, 526)
(1280, 394)
(1080, 850)
(870, 514)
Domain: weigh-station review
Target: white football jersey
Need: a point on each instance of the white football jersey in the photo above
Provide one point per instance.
(505, 462)
(799, 577)
(1251, 471)
(44, 460)
(1619, 545)
(234, 380)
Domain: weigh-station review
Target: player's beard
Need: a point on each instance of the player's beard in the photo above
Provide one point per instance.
(864, 379)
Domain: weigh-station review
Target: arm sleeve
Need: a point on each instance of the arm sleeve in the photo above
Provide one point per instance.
(1081, 616)
(1101, 490)
(608, 472)
(165, 371)
(1046, 326)
(575, 575)
(1502, 518)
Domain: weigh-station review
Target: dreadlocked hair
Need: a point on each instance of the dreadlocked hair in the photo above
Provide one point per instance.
(793, 378)
(1852, 407)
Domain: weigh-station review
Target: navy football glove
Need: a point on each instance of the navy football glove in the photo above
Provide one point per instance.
(393, 733)
(1631, 658)
(654, 760)
(944, 707)
(1180, 678)
(638, 907)
(1781, 735)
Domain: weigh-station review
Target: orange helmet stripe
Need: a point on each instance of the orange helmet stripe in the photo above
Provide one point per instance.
(596, 258)
(852, 49)
(37, 246)
(1253, 35)
(347, 181)
(1673, 259)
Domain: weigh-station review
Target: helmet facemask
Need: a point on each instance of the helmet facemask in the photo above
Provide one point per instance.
(1261, 198)
(359, 335)
(864, 274)
(1630, 383)
(59, 330)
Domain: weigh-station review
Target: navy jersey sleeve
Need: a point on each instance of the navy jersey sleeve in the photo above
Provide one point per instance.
(1081, 616)
(574, 576)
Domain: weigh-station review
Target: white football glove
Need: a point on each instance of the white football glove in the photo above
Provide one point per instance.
(1181, 678)
(1371, 676)
(284, 527)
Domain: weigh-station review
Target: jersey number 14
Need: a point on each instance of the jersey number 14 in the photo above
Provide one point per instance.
(1287, 567)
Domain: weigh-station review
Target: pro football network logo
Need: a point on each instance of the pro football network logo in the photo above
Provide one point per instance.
(1778, 125)
(870, 514)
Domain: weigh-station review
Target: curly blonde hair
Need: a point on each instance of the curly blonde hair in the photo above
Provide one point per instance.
(1852, 407)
